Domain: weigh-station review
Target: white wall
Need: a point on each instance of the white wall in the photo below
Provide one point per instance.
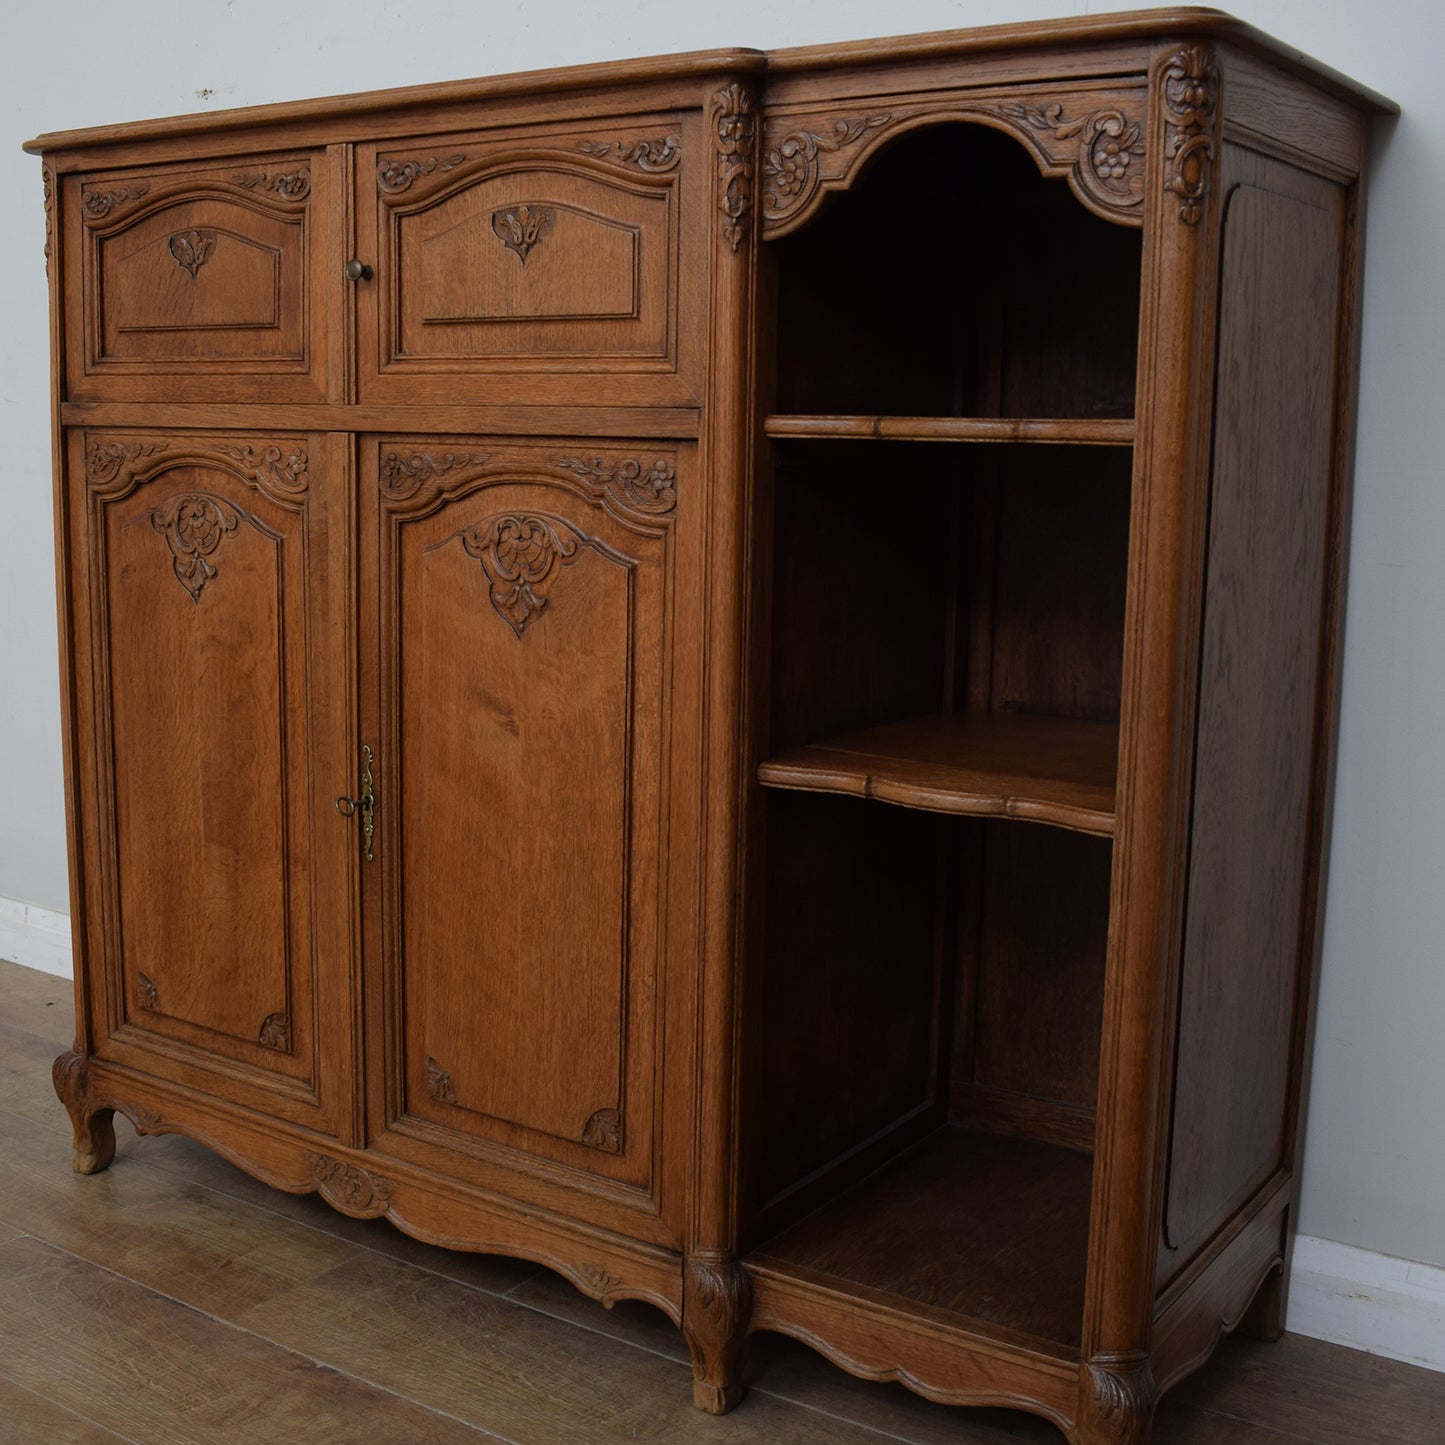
(1375, 1165)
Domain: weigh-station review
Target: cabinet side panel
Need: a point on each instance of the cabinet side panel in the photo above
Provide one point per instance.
(1259, 719)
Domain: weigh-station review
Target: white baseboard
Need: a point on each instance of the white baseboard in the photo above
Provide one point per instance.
(35, 937)
(1371, 1302)
(1348, 1296)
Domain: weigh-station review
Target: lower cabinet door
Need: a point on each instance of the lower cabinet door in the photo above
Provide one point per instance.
(522, 705)
(206, 575)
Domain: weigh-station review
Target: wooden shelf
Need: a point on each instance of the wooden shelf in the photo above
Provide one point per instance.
(926, 1235)
(1008, 765)
(1056, 431)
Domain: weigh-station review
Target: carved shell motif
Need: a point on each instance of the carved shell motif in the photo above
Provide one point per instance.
(521, 557)
(604, 1131)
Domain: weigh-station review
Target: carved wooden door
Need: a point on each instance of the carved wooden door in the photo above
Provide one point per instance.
(522, 715)
(208, 575)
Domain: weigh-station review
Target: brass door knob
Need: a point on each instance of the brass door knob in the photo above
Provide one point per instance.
(358, 270)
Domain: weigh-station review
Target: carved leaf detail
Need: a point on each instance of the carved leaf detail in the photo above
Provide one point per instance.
(402, 476)
(275, 1033)
(521, 227)
(394, 176)
(604, 1131)
(1110, 147)
(350, 1189)
(735, 124)
(659, 154)
(192, 249)
(289, 185)
(1191, 83)
(99, 204)
(791, 169)
(630, 483)
(439, 1083)
(194, 525)
(146, 990)
(521, 557)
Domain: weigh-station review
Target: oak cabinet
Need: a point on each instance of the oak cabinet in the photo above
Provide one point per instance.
(719, 673)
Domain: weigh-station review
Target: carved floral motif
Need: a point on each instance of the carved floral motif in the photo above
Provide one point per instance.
(194, 525)
(735, 124)
(402, 476)
(275, 1033)
(604, 1131)
(598, 1281)
(659, 154)
(47, 181)
(521, 227)
(191, 250)
(394, 176)
(287, 471)
(146, 991)
(1110, 147)
(350, 1189)
(99, 204)
(1191, 83)
(104, 464)
(791, 166)
(630, 483)
(521, 556)
(289, 185)
(439, 1083)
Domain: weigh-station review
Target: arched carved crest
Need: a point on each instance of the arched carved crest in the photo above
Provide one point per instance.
(277, 468)
(1093, 136)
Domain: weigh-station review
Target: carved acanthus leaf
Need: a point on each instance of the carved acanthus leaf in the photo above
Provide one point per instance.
(97, 205)
(288, 185)
(1191, 86)
(192, 249)
(1123, 1394)
(604, 1131)
(275, 1033)
(735, 126)
(194, 524)
(519, 228)
(401, 476)
(286, 470)
(791, 167)
(662, 153)
(70, 1073)
(146, 992)
(394, 176)
(439, 1083)
(105, 463)
(350, 1189)
(521, 556)
(631, 484)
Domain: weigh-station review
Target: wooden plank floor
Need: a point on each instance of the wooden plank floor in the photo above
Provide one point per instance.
(174, 1299)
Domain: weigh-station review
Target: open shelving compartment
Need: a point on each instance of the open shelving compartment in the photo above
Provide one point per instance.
(938, 650)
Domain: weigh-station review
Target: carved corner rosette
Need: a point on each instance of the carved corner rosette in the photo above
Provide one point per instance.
(604, 1131)
(401, 477)
(271, 466)
(521, 556)
(349, 1188)
(629, 485)
(275, 1033)
(734, 116)
(194, 524)
(439, 1083)
(114, 464)
(394, 177)
(653, 155)
(98, 205)
(1106, 146)
(1190, 81)
(792, 163)
(147, 994)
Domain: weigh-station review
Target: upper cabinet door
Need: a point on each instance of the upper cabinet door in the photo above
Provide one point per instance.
(202, 282)
(553, 267)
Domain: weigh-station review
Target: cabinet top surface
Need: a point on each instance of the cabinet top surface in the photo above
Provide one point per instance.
(1138, 28)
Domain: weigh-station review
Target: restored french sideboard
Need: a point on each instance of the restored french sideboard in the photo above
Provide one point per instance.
(720, 672)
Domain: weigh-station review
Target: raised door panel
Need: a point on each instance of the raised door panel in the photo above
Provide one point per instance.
(212, 581)
(523, 631)
(532, 266)
(193, 275)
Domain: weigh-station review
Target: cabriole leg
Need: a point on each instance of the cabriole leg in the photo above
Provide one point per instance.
(716, 1303)
(94, 1128)
(1116, 1402)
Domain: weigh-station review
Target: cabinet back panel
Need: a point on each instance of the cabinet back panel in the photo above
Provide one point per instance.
(1258, 728)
